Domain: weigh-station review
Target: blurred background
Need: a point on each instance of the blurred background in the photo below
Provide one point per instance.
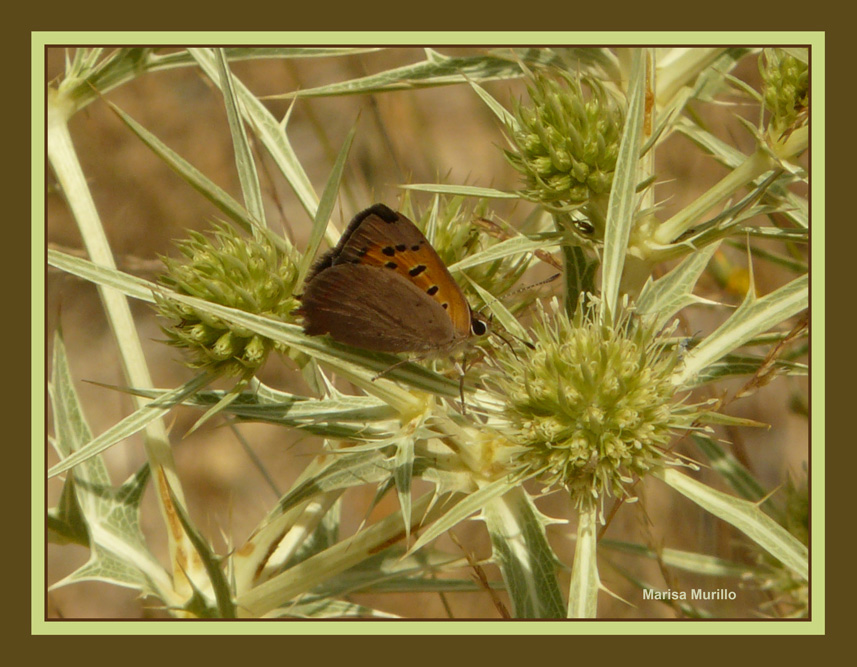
(442, 134)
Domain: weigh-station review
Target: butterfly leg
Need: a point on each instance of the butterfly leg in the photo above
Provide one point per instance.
(390, 368)
(462, 370)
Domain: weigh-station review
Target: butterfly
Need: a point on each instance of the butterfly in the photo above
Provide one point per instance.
(384, 288)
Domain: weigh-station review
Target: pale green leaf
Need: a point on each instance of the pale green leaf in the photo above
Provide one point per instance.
(325, 206)
(502, 314)
(701, 564)
(436, 70)
(746, 517)
(269, 132)
(460, 190)
(246, 166)
(329, 563)
(526, 560)
(325, 607)
(583, 591)
(211, 563)
(344, 471)
(741, 365)
(661, 299)
(190, 174)
(513, 246)
(753, 317)
(110, 517)
(131, 424)
(506, 118)
(623, 197)
(470, 504)
(403, 475)
(737, 476)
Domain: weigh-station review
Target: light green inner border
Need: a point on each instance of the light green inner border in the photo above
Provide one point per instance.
(40, 40)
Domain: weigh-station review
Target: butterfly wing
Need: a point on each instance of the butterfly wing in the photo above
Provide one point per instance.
(375, 309)
(380, 237)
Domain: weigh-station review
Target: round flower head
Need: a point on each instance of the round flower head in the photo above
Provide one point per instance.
(566, 144)
(593, 405)
(232, 270)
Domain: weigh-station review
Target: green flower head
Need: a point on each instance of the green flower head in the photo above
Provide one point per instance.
(786, 90)
(566, 143)
(593, 406)
(231, 270)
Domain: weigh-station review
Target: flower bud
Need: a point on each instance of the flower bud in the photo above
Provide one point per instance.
(566, 143)
(235, 271)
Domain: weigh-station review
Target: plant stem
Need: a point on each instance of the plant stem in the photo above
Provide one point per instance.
(63, 160)
(753, 167)
(305, 575)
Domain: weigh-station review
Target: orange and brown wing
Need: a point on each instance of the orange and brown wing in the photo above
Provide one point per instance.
(375, 309)
(382, 238)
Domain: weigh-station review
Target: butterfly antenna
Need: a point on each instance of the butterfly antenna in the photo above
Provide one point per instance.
(520, 289)
(532, 285)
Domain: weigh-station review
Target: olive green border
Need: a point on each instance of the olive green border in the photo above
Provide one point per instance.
(39, 626)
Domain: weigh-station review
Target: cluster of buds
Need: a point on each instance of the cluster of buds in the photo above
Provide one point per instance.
(785, 91)
(252, 275)
(566, 143)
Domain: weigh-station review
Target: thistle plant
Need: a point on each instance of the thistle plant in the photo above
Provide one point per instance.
(601, 391)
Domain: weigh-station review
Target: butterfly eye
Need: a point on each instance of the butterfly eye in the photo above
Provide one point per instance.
(478, 328)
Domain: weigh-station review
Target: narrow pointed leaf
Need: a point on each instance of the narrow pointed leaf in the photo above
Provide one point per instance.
(436, 70)
(622, 203)
(190, 174)
(403, 475)
(666, 296)
(746, 517)
(270, 133)
(526, 560)
(513, 246)
(755, 316)
(247, 175)
(325, 205)
(222, 594)
(131, 424)
(702, 564)
(469, 505)
(583, 593)
(460, 190)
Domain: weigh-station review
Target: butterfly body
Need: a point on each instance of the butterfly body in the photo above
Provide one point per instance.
(384, 288)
